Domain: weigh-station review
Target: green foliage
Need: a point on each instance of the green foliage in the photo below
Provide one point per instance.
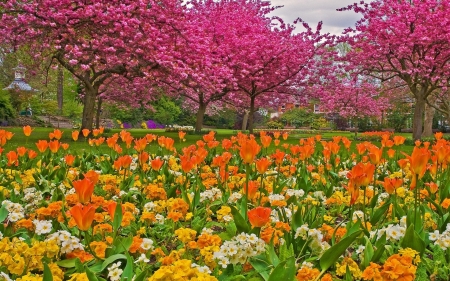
(6, 108)
(298, 117)
(166, 111)
(222, 119)
(274, 125)
(398, 116)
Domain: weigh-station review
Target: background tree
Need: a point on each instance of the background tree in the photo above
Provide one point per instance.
(96, 41)
(406, 40)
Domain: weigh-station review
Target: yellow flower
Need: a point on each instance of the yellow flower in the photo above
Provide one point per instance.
(79, 277)
(185, 235)
(352, 266)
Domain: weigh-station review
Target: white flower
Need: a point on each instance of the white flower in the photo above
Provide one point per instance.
(160, 218)
(434, 235)
(147, 244)
(142, 258)
(42, 227)
(4, 276)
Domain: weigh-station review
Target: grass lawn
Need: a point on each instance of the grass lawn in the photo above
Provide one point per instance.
(81, 145)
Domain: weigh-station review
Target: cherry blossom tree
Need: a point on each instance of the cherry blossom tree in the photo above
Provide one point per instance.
(97, 41)
(273, 61)
(406, 40)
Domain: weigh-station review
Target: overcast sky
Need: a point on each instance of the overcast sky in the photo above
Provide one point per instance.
(313, 11)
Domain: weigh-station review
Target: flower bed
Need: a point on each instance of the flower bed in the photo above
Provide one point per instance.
(241, 214)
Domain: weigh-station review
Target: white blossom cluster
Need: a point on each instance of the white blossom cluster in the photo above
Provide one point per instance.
(315, 236)
(202, 269)
(42, 226)
(66, 241)
(33, 197)
(149, 206)
(212, 194)
(276, 197)
(441, 239)
(114, 271)
(239, 249)
(15, 210)
(295, 192)
(274, 215)
(393, 232)
(234, 197)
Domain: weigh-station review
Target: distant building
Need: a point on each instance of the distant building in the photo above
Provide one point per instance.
(19, 83)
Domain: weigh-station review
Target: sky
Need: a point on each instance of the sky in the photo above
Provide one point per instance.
(313, 11)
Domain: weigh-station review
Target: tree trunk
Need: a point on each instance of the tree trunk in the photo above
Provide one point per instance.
(418, 117)
(251, 113)
(99, 111)
(428, 122)
(88, 109)
(200, 115)
(60, 89)
(245, 120)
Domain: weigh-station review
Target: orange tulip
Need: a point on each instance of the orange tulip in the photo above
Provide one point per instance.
(360, 175)
(75, 135)
(27, 130)
(209, 137)
(278, 156)
(248, 150)
(54, 146)
(375, 154)
(259, 216)
(265, 141)
(126, 161)
(276, 142)
(438, 135)
(32, 154)
(111, 141)
(140, 144)
(262, 165)
(83, 215)
(84, 189)
(181, 135)
(12, 158)
(69, 159)
(21, 151)
(276, 135)
(361, 147)
(346, 142)
(65, 146)
(391, 153)
(143, 158)
(226, 144)
(111, 209)
(252, 189)
(399, 140)
(56, 134)
(85, 132)
(390, 185)
(96, 132)
(157, 164)
(187, 163)
(285, 135)
(433, 187)
(42, 145)
(418, 161)
(93, 176)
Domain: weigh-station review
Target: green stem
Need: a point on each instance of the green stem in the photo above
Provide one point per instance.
(247, 175)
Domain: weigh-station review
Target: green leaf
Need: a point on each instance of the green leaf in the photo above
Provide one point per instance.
(66, 263)
(412, 240)
(380, 248)
(261, 266)
(122, 244)
(90, 275)
(3, 213)
(241, 224)
(112, 259)
(334, 252)
(142, 275)
(273, 258)
(226, 273)
(297, 220)
(117, 218)
(368, 253)
(284, 271)
(47, 273)
(127, 274)
(379, 213)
